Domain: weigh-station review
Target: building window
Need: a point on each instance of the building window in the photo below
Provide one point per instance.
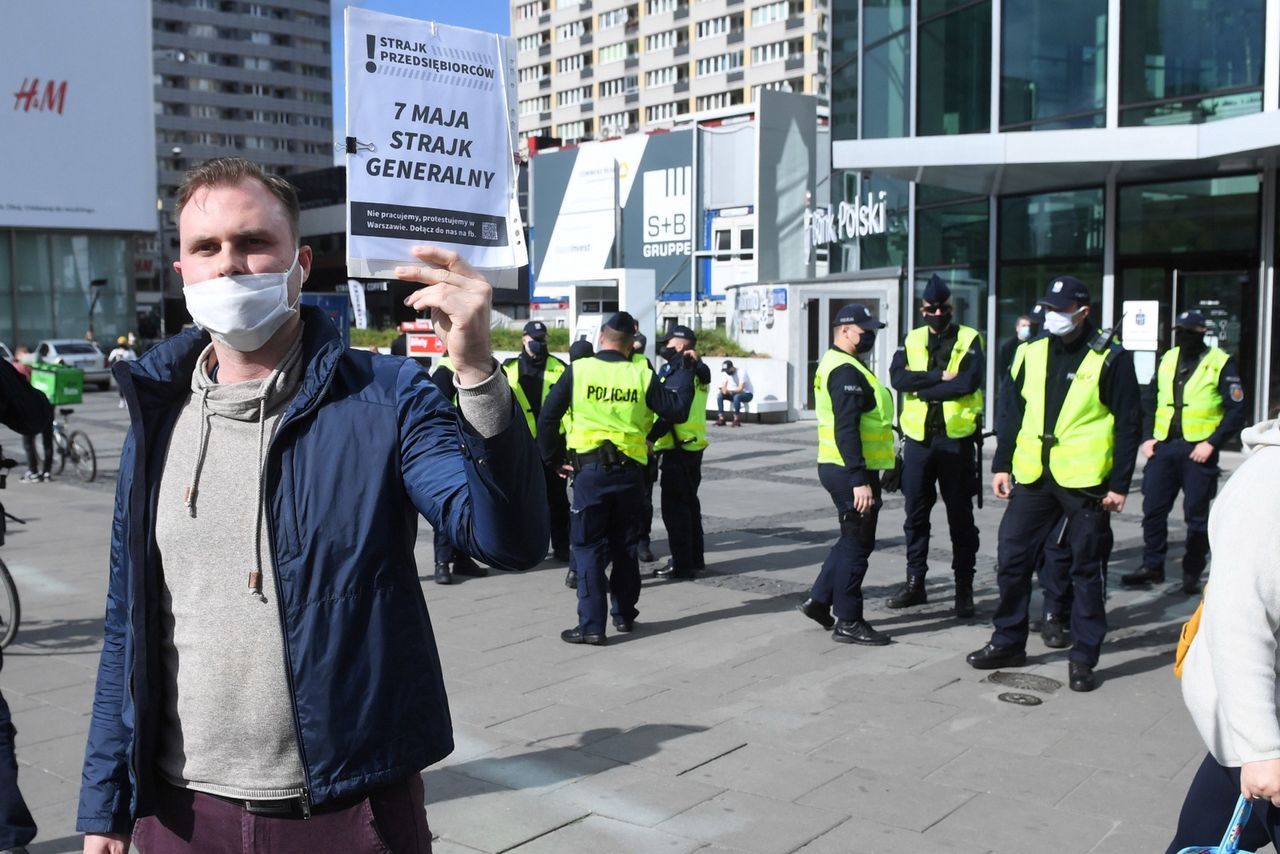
(621, 50)
(954, 82)
(532, 42)
(660, 7)
(616, 17)
(525, 11)
(616, 124)
(886, 77)
(718, 26)
(1054, 68)
(570, 97)
(665, 112)
(618, 86)
(1190, 61)
(776, 52)
(720, 64)
(534, 73)
(571, 30)
(571, 131)
(572, 63)
(844, 71)
(660, 77)
(720, 100)
(664, 40)
(530, 106)
(769, 13)
(1042, 236)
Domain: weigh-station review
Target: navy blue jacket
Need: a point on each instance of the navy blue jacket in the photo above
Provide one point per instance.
(367, 444)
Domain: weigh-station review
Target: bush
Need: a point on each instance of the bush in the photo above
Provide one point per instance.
(380, 338)
(509, 339)
(716, 342)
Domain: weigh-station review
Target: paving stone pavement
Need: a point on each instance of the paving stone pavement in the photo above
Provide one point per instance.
(727, 722)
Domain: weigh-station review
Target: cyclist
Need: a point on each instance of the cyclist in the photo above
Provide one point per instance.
(26, 411)
(35, 471)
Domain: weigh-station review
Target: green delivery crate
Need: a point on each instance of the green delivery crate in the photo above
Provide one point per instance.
(61, 384)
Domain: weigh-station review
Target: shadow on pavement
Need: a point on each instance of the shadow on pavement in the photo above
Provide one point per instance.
(552, 766)
(752, 607)
(45, 637)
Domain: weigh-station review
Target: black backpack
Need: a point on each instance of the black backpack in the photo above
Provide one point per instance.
(23, 409)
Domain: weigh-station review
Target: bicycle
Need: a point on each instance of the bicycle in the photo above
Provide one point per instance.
(10, 607)
(74, 446)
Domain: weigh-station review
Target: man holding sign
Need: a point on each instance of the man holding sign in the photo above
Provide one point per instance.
(269, 671)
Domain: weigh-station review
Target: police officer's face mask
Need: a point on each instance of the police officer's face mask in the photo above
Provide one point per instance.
(937, 320)
(1061, 322)
(1188, 339)
(669, 353)
(866, 341)
(537, 349)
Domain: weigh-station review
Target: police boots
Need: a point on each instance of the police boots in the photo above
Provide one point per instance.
(911, 593)
(964, 597)
(1143, 577)
(443, 575)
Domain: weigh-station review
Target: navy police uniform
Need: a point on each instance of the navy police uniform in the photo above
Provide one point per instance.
(1068, 432)
(855, 444)
(612, 400)
(1199, 398)
(531, 375)
(941, 424)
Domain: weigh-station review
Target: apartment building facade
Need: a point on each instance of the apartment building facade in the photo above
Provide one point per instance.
(596, 69)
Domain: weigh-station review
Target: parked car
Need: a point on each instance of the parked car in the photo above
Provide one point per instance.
(76, 353)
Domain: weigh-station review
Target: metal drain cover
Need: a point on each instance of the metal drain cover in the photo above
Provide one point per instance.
(1019, 699)
(1024, 681)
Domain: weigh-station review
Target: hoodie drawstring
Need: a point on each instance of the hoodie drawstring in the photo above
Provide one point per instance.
(189, 495)
(255, 577)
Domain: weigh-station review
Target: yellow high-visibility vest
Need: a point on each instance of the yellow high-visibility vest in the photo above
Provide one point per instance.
(875, 427)
(692, 434)
(609, 405)
(551, 372)
(1084, 435)
(960, 415)
(1201, 400)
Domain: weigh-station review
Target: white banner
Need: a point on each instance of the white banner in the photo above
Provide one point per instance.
(359, 311)
(77, 117)
(431, 128)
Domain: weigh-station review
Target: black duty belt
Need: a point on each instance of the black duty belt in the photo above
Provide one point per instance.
(617, 458)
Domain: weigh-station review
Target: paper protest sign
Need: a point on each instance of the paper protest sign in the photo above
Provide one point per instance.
(430, 140)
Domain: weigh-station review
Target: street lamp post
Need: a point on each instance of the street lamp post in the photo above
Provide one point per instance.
(162, 275)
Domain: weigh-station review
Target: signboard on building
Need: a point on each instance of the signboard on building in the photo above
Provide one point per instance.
(76, 116)
(430, 135)
(576, 220)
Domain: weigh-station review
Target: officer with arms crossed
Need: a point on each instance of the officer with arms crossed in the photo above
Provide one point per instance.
(612, 398)
(268, 667)
(940, 370)
(531, 375)
(855, 444)
(679, 448)
(1199, 408)
(1068, 431)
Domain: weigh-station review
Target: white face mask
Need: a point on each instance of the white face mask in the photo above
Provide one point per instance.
(1060, 322)
(242, 312)
(1024, 332)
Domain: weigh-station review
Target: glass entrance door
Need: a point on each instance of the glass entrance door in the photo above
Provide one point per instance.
(823, 307)
(1228, 301)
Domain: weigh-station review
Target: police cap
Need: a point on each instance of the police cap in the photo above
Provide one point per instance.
(682, 332)
(1064, 292)
(536, 329)
(580, 349)
(1193, 320)
(936, 292)
(856, 313)
(621, 321)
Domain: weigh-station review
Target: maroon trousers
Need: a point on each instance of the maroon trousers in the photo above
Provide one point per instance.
(390, 820)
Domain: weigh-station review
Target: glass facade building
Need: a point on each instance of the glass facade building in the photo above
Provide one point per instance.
(46, 285)
(1131, 143)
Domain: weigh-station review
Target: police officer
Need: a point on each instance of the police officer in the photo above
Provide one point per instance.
(450, 561)
(531, 376)
(613, 399)
(579, 349)
(679, 448)
(1068, 433)
(650, 471)
(855, 444)
(1199, 408)
(940, 371)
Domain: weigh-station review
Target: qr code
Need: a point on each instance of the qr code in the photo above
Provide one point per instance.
(489, 231)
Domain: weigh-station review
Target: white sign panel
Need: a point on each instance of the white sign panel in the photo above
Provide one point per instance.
(430, 140)
(1140, 329)
(359, 308)
(76, 116)
(584, 232)
(668, 211)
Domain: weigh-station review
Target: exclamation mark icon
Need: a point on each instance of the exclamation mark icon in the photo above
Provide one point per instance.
(370, 43)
